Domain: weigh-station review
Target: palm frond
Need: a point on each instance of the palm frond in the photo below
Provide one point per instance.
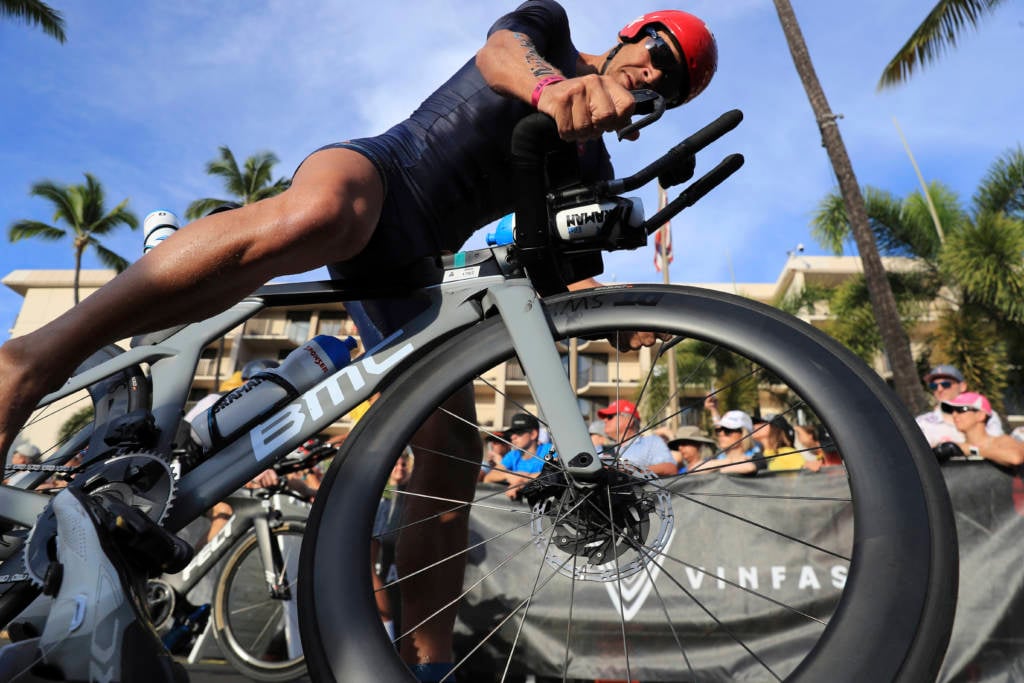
(985, 261)
(108, 257)
(258, 170)
(21, 230)
(119, 215)
(1002, 188)
(227, 168)
(36, 13)
(279, 186)
(59, 195)
(829, 225)
(922, 235)
(938, 33)
(201, 207)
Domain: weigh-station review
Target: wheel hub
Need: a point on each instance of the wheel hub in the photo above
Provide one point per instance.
(603, 532)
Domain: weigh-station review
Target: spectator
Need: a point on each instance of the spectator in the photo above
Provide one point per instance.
(597, 436)
(690, 447)
(971, 413)
(24, 454)
(622, 426)
(497, 447)
(526, 461)
(812, 440)
(946, 383)
(737, 448)
(776, 437)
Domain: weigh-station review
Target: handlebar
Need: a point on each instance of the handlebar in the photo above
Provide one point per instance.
(563, 226)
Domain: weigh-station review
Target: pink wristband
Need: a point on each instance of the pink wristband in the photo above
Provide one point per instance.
(539, 88)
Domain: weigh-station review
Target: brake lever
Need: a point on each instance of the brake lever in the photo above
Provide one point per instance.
(650, 105)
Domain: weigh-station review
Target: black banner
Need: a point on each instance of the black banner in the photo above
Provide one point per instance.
(729, 586)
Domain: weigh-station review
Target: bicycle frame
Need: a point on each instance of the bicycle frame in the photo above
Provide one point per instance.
(472, 287)
(248, 512)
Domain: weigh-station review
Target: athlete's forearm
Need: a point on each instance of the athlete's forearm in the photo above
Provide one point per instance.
(511, 65)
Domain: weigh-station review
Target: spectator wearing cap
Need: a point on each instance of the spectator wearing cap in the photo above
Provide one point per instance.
(737, 449)
(622, 426)
(497, 447)
(526, 459)
(971, 412)
(690, 447)
(946, 382)
(776, 437)
(24, 454)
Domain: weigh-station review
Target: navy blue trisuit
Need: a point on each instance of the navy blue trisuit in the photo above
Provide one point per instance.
(445, 169)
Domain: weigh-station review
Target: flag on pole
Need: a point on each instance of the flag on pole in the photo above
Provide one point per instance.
(662, 239)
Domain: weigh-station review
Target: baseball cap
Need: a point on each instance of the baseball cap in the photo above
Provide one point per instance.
(27, 450)
(690, 433)
(522, 422)
(736, 419)
(620, 406)
(971, 399)
(944, 371)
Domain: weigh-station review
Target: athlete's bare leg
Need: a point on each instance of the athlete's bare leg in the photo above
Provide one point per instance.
(445, 535)
(327, 215)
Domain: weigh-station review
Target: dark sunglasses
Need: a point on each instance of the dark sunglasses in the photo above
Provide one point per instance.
(944, 383)
(726, 430)
(674, 82)
(958, 409)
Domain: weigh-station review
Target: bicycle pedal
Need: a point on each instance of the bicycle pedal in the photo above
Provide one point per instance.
(155, 548)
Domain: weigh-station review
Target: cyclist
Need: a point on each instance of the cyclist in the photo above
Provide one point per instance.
(373, 206)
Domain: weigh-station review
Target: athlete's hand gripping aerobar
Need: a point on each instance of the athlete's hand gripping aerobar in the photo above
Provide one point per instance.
(564, 225)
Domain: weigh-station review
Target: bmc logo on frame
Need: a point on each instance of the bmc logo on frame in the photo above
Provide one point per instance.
(290, 421)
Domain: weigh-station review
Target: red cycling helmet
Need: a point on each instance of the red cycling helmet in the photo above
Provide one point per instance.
(692, 38)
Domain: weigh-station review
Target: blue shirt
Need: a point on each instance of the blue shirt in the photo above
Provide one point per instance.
(644, 451)
(516, 461)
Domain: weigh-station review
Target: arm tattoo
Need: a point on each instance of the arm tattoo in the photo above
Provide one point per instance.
(538, 65)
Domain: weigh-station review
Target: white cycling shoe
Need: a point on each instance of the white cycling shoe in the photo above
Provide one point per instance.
(97, 630)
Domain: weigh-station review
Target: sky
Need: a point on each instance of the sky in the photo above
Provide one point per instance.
(144, 93)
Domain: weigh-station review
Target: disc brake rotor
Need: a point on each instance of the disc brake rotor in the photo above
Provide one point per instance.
(140, 480)
(607, 532)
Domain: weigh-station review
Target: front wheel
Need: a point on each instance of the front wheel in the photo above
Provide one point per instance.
(258, 633)
(847, 573)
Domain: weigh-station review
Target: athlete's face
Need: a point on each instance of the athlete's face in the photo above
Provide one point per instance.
(651, 62)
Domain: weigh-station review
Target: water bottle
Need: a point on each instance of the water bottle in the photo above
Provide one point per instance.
(158, 226)
(241, 409)
(504, 231)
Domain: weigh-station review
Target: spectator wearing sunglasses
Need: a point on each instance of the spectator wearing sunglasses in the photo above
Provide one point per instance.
(946, 382)
(737, 450)
(971, 412)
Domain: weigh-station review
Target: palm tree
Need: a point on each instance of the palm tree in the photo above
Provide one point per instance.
(937, 33)
(83, 208)
(883, 304)
(38, 13)
(977, 268)
(246, 187)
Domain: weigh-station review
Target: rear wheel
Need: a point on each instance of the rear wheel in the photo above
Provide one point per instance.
(846, 574)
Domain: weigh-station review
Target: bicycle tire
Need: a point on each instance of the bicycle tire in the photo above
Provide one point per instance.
(893, 618)
(241, 581)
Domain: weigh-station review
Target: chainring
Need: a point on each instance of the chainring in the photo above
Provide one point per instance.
(141, 480)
